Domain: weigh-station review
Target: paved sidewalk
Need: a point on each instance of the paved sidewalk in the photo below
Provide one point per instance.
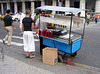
(16, 63)
(13, 66)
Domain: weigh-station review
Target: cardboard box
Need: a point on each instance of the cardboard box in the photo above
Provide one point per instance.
(50, 56)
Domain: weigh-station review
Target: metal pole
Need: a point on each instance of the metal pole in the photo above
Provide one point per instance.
(39, 23)
(70, 28)
(84, 23)
(70, 40)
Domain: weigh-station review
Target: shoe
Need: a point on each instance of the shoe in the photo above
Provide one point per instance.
(33, 56)
(37, 35)
(8, 45)
(21, 33)
(3, 42)
(27, 56)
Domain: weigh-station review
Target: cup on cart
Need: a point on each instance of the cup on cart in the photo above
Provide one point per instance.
(47, 33)
(51, 34)
(41, 33)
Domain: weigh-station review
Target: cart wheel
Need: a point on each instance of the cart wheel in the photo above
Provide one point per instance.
(74, 54)
(60, 59)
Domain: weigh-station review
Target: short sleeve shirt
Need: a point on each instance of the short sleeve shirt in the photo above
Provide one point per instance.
(8, 20)
(42, 26)
(27, 21)
(96, 15)
(88, 16)
(21, 17)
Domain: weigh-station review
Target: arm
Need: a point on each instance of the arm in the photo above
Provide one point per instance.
(37, 24)
(4, 26)
(34, 19)
(22, 27)
(17, 20)
(34, 27)
(13, 26)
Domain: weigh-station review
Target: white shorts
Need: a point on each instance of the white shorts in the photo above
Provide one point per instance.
(20, 26)
(28, 41)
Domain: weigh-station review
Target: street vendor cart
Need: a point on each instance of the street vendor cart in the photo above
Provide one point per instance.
(63, 36)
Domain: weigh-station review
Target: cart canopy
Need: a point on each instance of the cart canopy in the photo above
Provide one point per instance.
(62, 9)
(59, 19)
(62, 20)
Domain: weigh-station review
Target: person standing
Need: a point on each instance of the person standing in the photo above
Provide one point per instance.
(35, 18)
(93, 17)
(88, 18)
(96, 18)
(8, 23)
(20, 18)
(41, 25)
(78, 23)
(28, 39)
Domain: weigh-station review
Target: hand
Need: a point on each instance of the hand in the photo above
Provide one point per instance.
(4, 28)
(14, 28)
(36, 27)
(16, 21)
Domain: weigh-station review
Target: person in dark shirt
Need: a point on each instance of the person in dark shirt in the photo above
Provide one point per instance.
(28, 39)
(8, 23)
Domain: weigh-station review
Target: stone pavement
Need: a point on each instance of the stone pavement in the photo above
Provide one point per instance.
(14, 66)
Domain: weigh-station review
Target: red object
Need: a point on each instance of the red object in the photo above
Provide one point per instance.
(4, 13)
(44, 32)
(41, 33)
(51, 34)
(69, 61)
(47, 33)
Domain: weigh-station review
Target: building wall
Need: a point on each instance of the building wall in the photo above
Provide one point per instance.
(90, 4)
(32, 4)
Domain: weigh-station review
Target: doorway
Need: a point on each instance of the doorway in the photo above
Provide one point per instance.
(77, 4)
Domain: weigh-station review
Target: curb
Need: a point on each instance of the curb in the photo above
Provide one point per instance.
(86, 67)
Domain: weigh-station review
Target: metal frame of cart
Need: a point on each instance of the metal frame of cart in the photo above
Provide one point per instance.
(71, 45)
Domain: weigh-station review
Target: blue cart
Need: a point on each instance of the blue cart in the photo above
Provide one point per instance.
(69, 45)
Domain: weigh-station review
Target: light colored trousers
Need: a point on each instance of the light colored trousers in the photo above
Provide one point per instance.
(9, 34)
(28, 40)
(20, 27)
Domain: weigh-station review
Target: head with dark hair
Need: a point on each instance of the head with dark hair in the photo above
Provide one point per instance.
(37, 13)
(8, 11)
(20, 12)
(42, 13)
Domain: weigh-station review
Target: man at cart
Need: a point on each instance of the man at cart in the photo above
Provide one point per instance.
(41, 25)
(69, 45)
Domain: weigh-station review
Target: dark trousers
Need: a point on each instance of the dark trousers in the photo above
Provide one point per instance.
(96, 20)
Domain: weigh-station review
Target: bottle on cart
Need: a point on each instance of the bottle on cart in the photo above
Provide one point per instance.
(44, 32)
(51, 34)
(48, 33)
(41, 33)
(65, 28)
